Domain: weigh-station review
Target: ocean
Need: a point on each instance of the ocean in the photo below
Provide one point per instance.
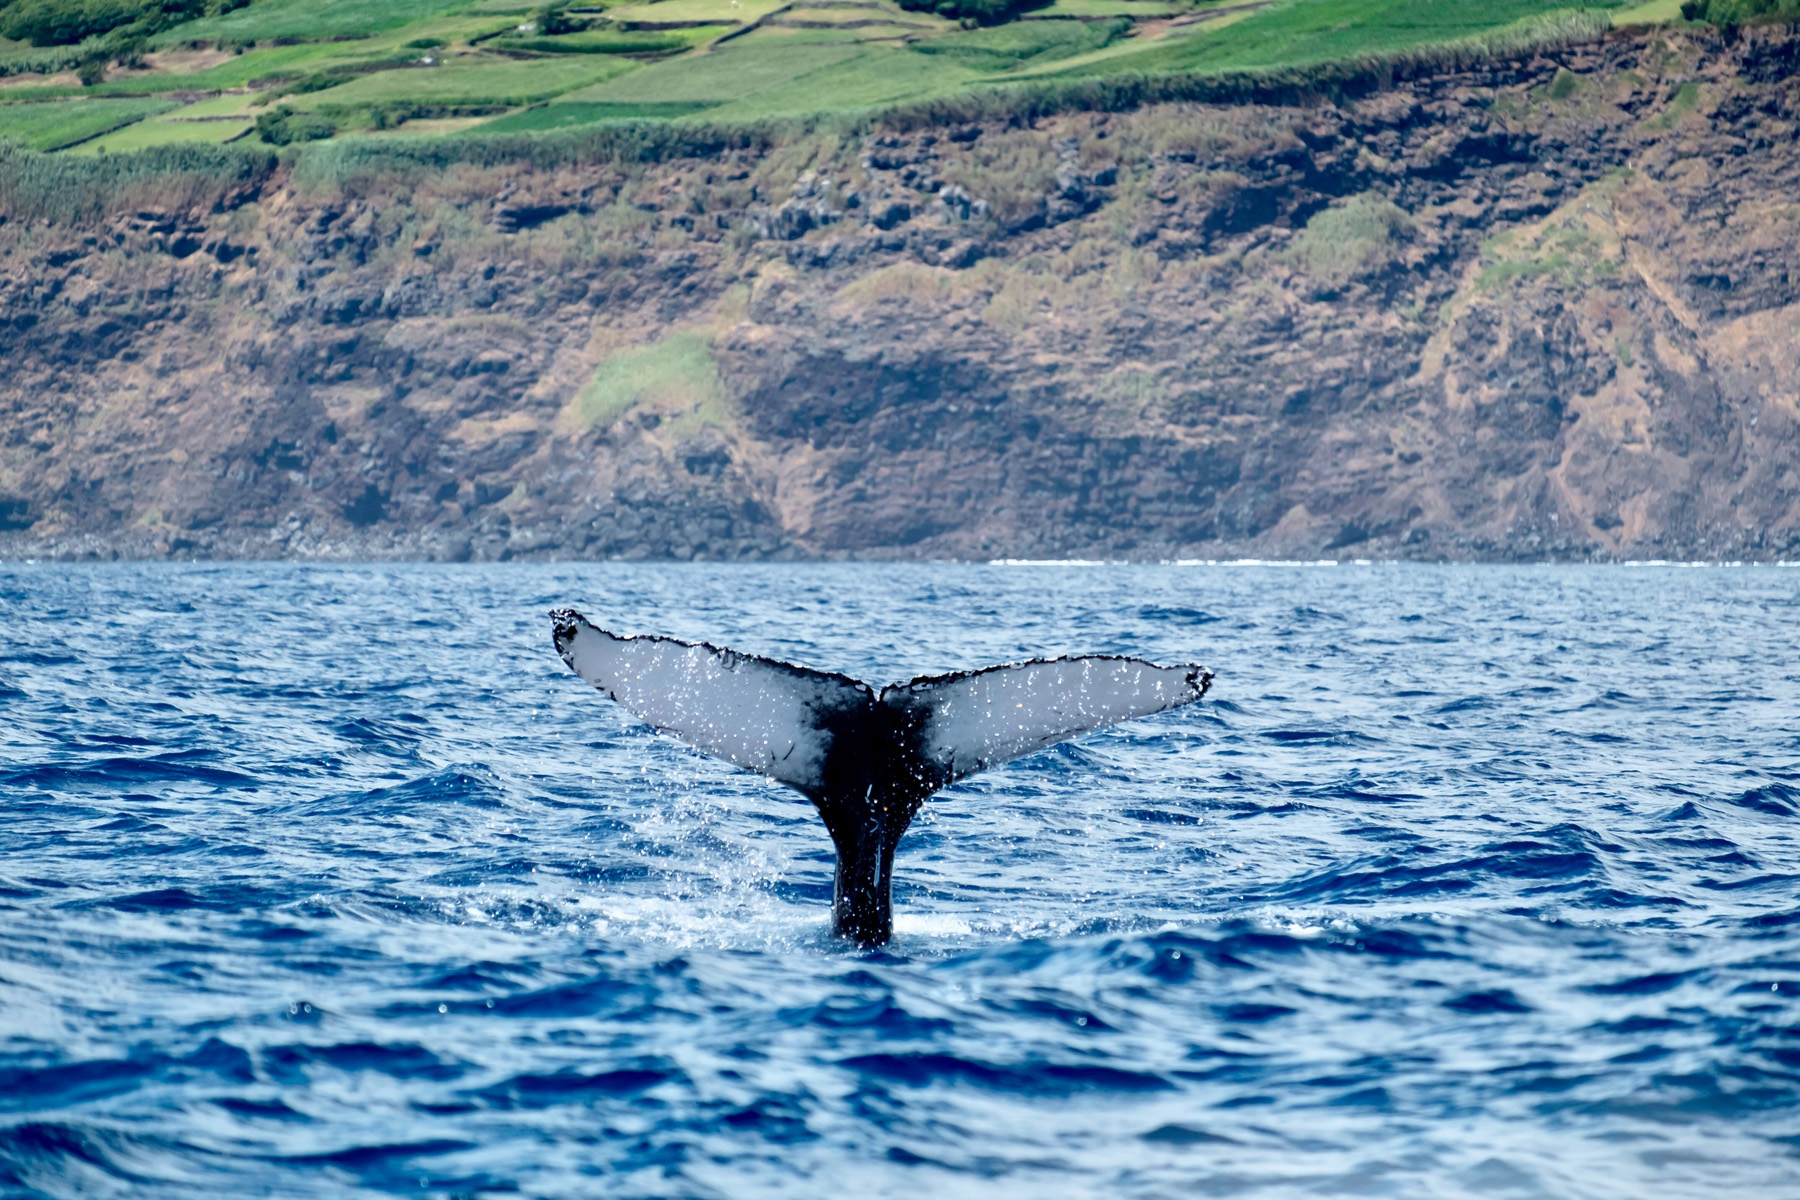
(333, 881)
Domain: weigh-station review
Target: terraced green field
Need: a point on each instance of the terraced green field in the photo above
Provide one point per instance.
(52, 126)
(613, 41)
(311, 20)
(571, 113)
(1324, 31)
(166, 130)
(470, 80)
(352, 68)
(1026, 43)
(670, 11)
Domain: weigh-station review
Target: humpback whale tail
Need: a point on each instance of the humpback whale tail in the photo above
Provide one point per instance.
(867, 760)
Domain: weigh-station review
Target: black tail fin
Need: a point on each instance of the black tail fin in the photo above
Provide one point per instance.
(866, 762)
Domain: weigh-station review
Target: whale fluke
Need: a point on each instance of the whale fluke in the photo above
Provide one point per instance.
(866, 760)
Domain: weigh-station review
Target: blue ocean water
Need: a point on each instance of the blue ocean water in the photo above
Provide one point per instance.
(1464, 881)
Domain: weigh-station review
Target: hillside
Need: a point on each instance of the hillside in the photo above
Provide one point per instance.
(103, 76)
(1498, 306)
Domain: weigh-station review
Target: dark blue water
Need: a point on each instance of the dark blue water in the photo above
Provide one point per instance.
(1463, 882)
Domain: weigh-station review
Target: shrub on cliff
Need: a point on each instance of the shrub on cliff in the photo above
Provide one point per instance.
(555, 19)
(283, 126)
(1355, 238)
(65, 22)
(1729, 14)
(72, 189)
(982, 12)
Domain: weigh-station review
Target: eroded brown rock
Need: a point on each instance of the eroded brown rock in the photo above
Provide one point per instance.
(1546, 309)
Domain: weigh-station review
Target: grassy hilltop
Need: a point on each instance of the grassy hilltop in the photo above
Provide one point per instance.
(94, 76)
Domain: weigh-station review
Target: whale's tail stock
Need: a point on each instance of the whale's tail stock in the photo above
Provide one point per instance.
(866, 759)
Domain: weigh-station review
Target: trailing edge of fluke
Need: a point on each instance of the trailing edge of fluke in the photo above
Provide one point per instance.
(866, 759)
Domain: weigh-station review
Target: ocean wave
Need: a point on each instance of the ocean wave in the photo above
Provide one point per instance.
(1444, 849)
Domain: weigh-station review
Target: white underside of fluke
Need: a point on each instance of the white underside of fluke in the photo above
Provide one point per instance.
(759, 714)
(770, 717)
(981, 719)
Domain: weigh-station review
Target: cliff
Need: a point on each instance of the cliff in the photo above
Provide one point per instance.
(1535, 309)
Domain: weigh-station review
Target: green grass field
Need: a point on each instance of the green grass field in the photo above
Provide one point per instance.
(236, 72)
(613, 41)
(476, 80)
(1293, 34)
(1024, 43)
(164, 130)
(218, 119)
(744, 80)
(850, 17)
(781, 79)
(567, 115)
(225, 104)
(1142, 9)
(50, 125)
(668, 11)
(874, 76)
(729, 73)
(1653, 12)
(264, 62)
(307, 20)
(361, 62)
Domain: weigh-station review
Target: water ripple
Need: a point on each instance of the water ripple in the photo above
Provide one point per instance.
(1450, 889)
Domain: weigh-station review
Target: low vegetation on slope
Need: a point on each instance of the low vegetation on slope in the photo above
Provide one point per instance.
(285, 71)
(1496, 311)
(1729, 14)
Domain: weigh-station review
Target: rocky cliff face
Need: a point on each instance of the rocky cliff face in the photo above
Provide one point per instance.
(1536, 310)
